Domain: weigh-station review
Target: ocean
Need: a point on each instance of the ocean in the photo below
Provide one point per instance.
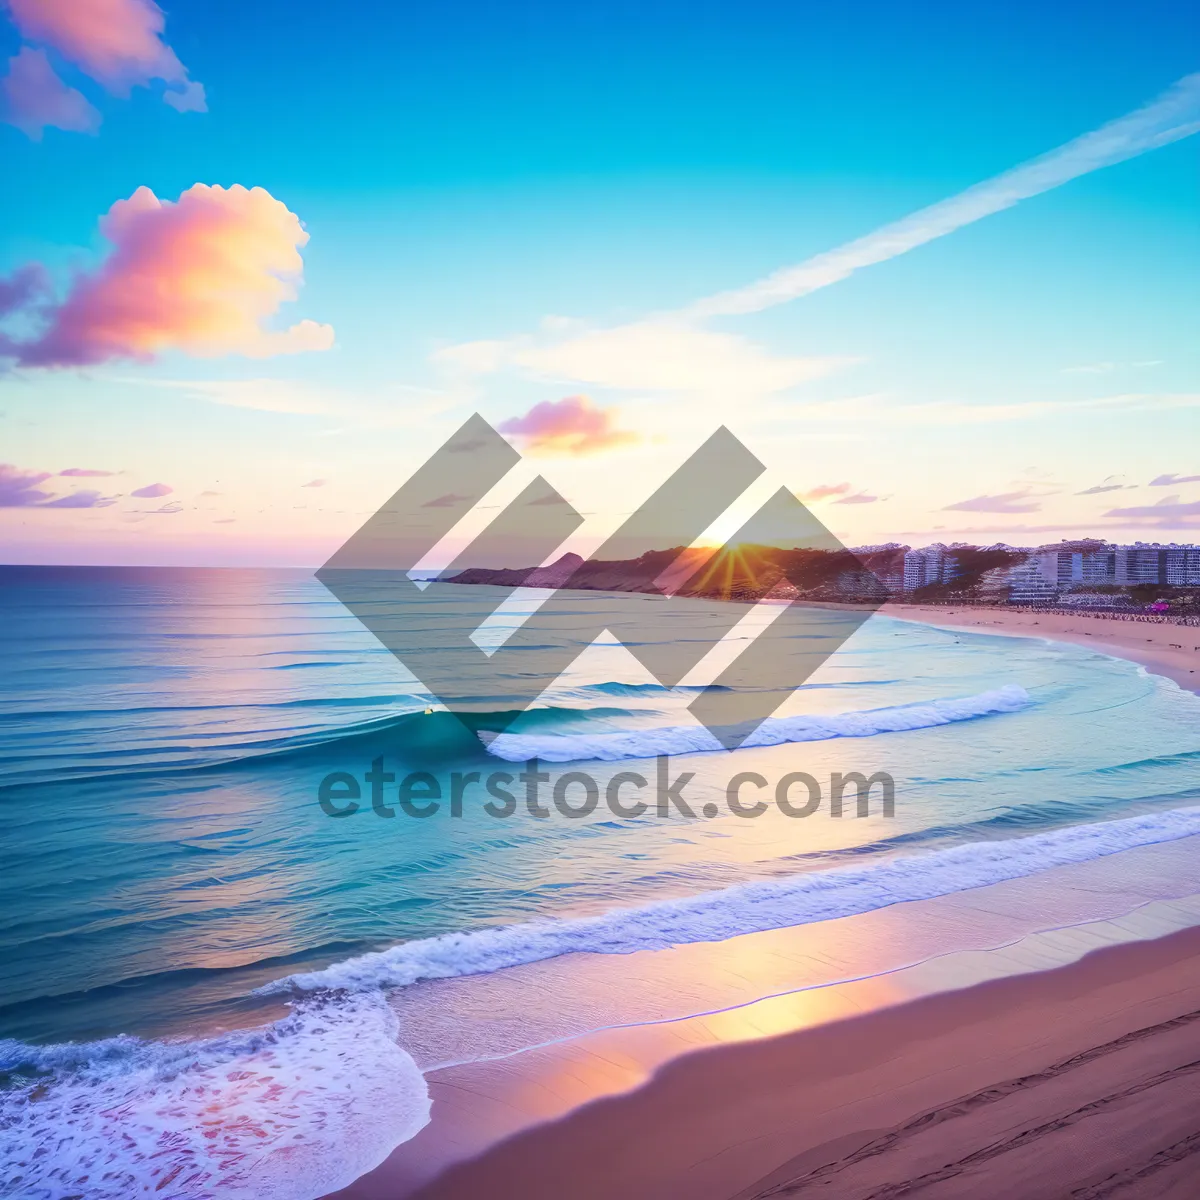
(215, 984)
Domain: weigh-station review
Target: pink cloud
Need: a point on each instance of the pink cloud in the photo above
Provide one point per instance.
(858, 498)
(153, 489)
(33, 97)
(1100, 488)
(86, 498)
(19, 488)
(23, 287)
(449, 500)
(1006, 502)
(1165, 513)
(85, 473)
(315, 483)
(200, 274)
(824, 491)
(117, 42)
(573, 425)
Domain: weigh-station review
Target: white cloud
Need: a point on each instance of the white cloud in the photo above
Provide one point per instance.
(877, 407)
(1173, 115)
(656, 355)
(674, 353)
(1105, 368)
(391, 405)
(265, 395)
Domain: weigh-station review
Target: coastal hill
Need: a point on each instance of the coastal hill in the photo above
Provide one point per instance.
(744, 572)
(1082, 573)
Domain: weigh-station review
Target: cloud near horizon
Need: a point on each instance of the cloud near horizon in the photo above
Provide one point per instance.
(1165, 513)
(1111, 483)
(20, 488)
(1005, 502)
(1173, 480)
(573, 425)
(823, 491)
(85, 498)
(118, 43)
(201, 274)
(449, 500)
(858, 498)
(85, 473)
(663, 355)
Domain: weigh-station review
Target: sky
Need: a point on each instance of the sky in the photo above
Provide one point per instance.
(934, 264)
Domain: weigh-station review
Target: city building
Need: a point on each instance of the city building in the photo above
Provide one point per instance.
(893, 581)
(934, 564)
(1027, 583)
(1181, 565)
(1069, 564)
(1141, 564)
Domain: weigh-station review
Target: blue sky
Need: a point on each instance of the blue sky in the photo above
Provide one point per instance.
(465, 172)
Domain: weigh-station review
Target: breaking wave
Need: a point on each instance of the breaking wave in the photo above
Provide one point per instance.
(746, 908)
(294, 1111)
(681, 739)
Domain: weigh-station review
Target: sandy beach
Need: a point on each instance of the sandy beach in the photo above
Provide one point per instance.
(975, 1074)
(1082, 1081)
(1162, 648)
(1002, 1073)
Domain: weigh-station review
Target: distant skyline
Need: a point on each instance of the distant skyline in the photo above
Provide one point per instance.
(935, 268)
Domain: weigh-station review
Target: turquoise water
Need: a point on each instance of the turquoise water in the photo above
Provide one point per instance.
(169, 880)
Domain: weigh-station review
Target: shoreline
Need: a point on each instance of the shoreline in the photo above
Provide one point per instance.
(997, 1075)
(1093, 1059)
(845, 978)
(1163, 649)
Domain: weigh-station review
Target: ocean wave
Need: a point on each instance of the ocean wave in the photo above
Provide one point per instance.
(294, 1111)
(416, 736)
(680, 739)
(746, 908)
(612, 688)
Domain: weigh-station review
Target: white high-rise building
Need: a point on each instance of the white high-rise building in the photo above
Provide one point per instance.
(934, 564)
(1069, 564)
(1141, 563)
(1027, 584)
(1182, 565)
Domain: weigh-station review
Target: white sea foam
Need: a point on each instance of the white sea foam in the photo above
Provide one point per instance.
(291, 1112)
(746, 908)
(678, 739)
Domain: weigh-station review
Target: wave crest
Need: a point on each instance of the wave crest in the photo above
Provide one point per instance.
(679, 739)
(294, 1111)
(747, 908)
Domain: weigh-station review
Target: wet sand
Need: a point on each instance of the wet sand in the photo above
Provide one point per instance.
(1080, 1081)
